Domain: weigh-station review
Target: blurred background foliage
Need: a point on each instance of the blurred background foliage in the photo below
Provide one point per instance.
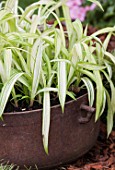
(24, 3)
(96, 18)
(101, 19)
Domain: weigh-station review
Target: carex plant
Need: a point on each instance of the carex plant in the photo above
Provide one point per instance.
(37, 59)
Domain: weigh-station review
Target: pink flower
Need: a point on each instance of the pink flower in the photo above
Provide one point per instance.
(92, 7)
(77, 11)
(72, 3)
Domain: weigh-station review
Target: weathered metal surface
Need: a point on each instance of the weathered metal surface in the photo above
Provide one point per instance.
(21, 136)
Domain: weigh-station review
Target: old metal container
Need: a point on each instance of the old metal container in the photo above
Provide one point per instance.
(72, 134)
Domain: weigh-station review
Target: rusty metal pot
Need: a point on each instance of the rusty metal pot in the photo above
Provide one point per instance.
(72, 134)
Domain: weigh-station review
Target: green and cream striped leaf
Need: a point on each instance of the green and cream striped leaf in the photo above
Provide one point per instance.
(58, 43)
(46, 120)
(90, 89)
(53, 7)
(99, 93)
(87, 73)
(37, 71)
(6, 90)
(103, 31)
(97, 3)
(10, 5)
(7, 62)
(62, 83)
(110, 114)
(103, 104)
(60, 31)
(112, 87)
(106, 41)
(110, 56)
(2, 72)
(90, 66)
(48, 66)
(69, 24)
(78, 28)
(109, 68)
(76, 55)
(47, 89)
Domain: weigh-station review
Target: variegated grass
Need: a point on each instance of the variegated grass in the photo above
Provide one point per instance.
(35, 62)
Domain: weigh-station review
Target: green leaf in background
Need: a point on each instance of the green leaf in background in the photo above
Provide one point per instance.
(99, 19)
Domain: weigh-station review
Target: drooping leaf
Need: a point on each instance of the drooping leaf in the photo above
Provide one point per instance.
(109, 68)
(111, 56)
(97, 3)
(103, 104)
(46, 120)
(112, 87)
(36, 71)
(90, 89)
(71, 94)
(109, 115)
(6, 91)
(47, 89)
(99, 93)
(103, 31)
(87, 73)
(90, 66)
(106, 41)
(62, 83)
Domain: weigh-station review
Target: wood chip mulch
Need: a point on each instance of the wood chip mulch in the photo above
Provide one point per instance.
(111, 45)
(100, 157)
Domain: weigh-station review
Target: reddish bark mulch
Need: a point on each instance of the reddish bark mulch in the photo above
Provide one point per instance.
(100, 157)
(111, 45)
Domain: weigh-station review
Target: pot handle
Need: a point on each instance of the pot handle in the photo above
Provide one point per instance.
(90, 110)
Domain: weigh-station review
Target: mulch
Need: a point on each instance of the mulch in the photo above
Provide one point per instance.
(111, 45)
(100, 157)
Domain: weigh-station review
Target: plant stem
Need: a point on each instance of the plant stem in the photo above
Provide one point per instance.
(15, 100)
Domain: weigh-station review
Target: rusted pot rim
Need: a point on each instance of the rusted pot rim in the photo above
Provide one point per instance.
(36, 110)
